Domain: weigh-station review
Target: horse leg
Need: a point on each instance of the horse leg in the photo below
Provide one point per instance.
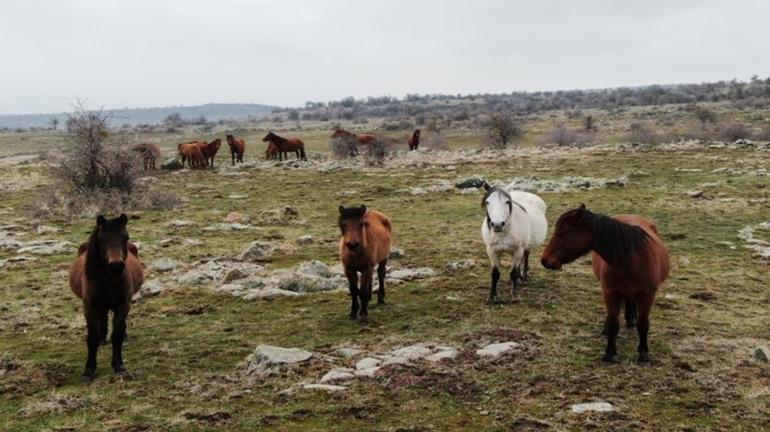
(103, 326)
(630, 313)
(118, 335)
(92, 342)
(515, 275)
(612, 303)
(525, 271)
(352, 276)
(366, 292)
(233, 157)
(381, 277)
(643, 307)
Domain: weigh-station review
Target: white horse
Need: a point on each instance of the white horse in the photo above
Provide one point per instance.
(514, 223)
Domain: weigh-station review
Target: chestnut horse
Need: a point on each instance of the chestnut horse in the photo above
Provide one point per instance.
(149, 154)
(628, 257)
(414, 141)
(359, 140)
(237, 147)
(192, 154)
(105, 275)
(209, 150)
(286, 145)
(271, 152)
(365, 243)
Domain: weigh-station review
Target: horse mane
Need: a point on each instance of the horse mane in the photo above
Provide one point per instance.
(615, 241)
(277, 138)
(94, 260)
(351, 213)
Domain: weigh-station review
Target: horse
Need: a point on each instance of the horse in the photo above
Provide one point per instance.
(365, 243)
(514, 223)
(629, 260)
(192, 154)
(209, 150)
(237, 147)
(271, 152)
(286, 145)
(149, 154)
(105, 275)
(357, 140)
(414, 141)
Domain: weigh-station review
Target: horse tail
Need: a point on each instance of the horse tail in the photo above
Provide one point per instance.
(302, 151)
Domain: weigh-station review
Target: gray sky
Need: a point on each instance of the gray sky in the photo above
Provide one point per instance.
(142, 53)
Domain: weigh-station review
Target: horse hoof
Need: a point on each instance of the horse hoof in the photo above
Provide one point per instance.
(643, 358)
(88, 376)
(609, 359)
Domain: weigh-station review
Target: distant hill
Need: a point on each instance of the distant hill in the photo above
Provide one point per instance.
(136, 116)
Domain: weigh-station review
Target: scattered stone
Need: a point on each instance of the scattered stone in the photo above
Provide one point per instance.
(233, 275)
(229, 226)
(391, 360)
(151, 288)
(337, 375)
(45, 229)
(192, 242)
(367, 372)
(58, 248)
(759, 247)
(236, 218)
(171, 164)
(348, 352)
(407, 274)
(396, 253)
(592, 407)
(324, 387)
(178, 223)
(367, 363)
(412, 352)
(304, 240)
(565, 184)
(460, 265)
(474, 182)
(444, 353)
(257, 251)
(163, 265)
(694, 194)
(236, 196)
(496, 350)
(265, 356)
(703, 295)
(762, 354)
(268, 293)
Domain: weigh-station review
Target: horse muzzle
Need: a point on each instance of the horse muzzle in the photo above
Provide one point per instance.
(549, 264)
(116, 267)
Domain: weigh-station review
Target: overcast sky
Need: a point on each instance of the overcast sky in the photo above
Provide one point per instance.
(143, 53)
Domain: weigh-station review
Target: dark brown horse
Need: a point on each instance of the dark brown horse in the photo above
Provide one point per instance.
(628, 257)
(192, 154)
(105, 275)
(149, 154)
(271, 152)
(414, 141)
(209, 150)
(365, 244)
(286, 145)
(237, 147)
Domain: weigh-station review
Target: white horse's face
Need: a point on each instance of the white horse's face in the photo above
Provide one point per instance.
(498, 206)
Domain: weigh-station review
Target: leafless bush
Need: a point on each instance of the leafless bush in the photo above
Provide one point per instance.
(704, 115)
(734, 131)
(434, 142)
(501, 129)
(562, 136)
(343, 148)
(642, 133)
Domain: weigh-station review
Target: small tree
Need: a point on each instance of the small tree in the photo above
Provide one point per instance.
(502, 128)
(704, 115)
(173, 120)
(54, 123)
(588, 124)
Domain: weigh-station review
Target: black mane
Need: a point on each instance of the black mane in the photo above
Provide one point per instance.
(615, 241)
(351, 213)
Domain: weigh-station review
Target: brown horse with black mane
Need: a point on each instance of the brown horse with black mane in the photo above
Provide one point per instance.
(365, 244)
(209, 150)
(629, 259)
(286, 145)
(149, 154)
(237, 147)
(414, 141)
(191, 153)
(105, 275)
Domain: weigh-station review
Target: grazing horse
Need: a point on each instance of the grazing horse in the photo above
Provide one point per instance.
(514, 223)
(237, 147)
(105, 275)
(209, 150)
(365, 243)
(358, 140)
(149, 154)
(414, 141)
(286, 145)
(192, 154)
(271, 152)
(628, 258)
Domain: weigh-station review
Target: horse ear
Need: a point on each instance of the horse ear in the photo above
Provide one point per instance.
(123, 219)
(486, 185)
(100, 220)
(342, 209)
(363, 209)
(580, 211)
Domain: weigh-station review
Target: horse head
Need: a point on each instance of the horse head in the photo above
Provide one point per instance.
(111, 238)
(498, 205)
(352, 224)
(268, 137)
(571, 239)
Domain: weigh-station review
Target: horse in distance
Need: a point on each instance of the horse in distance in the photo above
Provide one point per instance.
(237, 148)
(286, 145)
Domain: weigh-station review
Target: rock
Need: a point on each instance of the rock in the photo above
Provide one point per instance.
(58, 248)
(694, 193)
(324, 387)
(236, 196)
(163, 265)
(391, 360)
(229, 226)
(203, 274)
(444, 353)
(265, 356)
(268, 293)
(406, 274)
(337, 375)
(496, 350)
(412, 352)
(762, 354)
(45, 229)
(396, 253)
(592, 407)
(703, 295)
(257, 251)
(367, 372)
(304, 240)
(171, 164)
(236, 217)
(367, 363)
(178, 223)
(348, 352)
(474, 182)
(233, 275)
(314, 268)
(152, 288)
(460, 265)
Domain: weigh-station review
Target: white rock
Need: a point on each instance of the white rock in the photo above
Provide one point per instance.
(268, 293)
(368, 363)
(152, 288)
(324, 387)
(269, 355)
(443, 354)
(391, 360)
(367, 372)
(178, 223)
(592, 406)
(58, 248)
(408, 274)
(304, 240)
(348, 352)
(461, 265)
(338, 374)
(257, 251)
(45, 229)
(412, 352)
(498, 349)
(164, 265)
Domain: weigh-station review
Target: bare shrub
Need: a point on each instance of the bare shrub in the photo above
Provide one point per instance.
(343, 148)
(643, 133)
(501, 129)
(704, 115)
(734, 131)
(434, 142)
(562, 136)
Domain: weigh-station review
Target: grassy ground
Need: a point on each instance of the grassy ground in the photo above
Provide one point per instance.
(186, 346)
